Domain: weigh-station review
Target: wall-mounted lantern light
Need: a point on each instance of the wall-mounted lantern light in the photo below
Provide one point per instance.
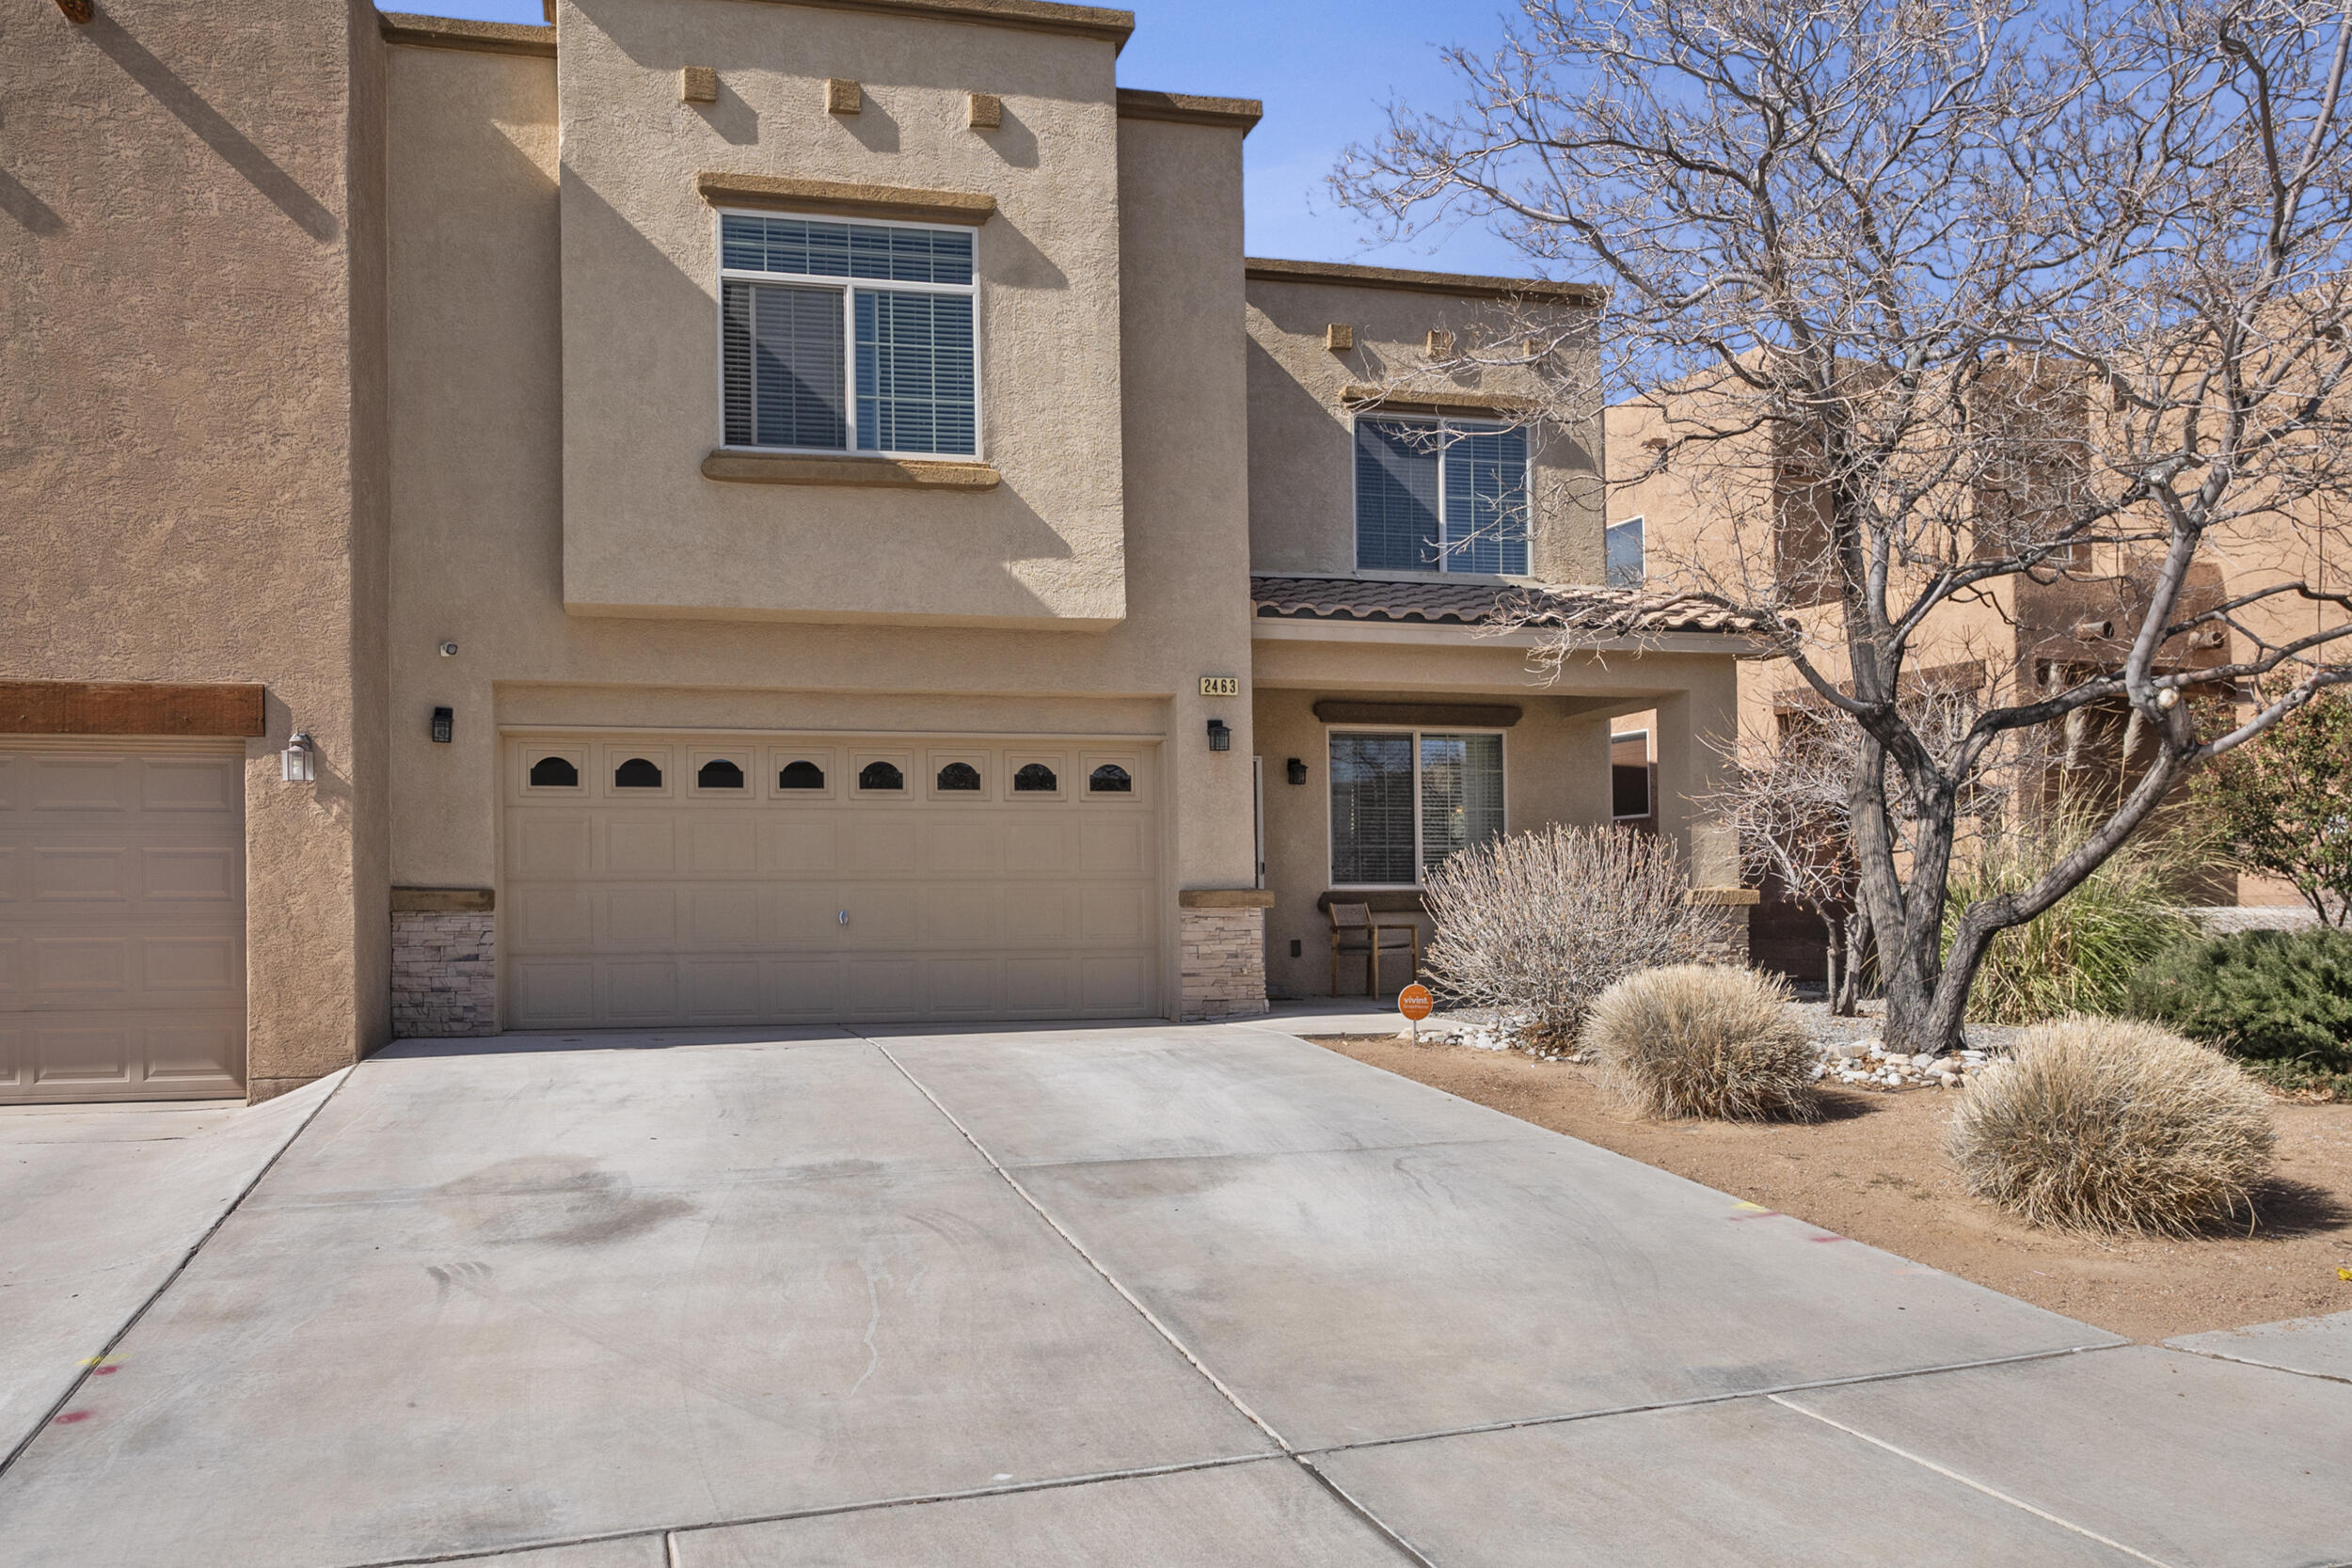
(298, 758)
(1296, 769)
(444, 724)
(1220, 736)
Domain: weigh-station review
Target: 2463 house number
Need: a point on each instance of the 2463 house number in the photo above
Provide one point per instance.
(1220, 686)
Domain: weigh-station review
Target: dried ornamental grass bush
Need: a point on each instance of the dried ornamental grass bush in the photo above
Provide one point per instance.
(2104, 1124)
(1705, 1040)
(1535, 926)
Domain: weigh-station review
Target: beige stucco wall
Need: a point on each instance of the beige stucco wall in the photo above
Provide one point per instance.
(187, 198)
(478, 362)
(1302, 484)
(643, 530)
(1555, 759)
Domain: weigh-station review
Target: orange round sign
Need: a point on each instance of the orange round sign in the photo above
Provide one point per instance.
(1414, 1002)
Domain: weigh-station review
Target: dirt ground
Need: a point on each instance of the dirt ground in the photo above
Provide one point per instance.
(1874, 1170)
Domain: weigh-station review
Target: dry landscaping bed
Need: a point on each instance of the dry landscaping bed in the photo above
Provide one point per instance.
(1874, 1170)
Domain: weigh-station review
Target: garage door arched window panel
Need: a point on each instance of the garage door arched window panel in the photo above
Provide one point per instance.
(719, 773)
(637, 773)
(1110, 779)
(848, 336)
(1036, 778)
(801, 774)
(880, 778)
(554, 771)
(957, 777)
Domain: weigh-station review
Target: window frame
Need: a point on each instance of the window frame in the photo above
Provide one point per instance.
(1441, 421)
(845, 287)
(1649, 775)
(1331, 844)
(1641, 522)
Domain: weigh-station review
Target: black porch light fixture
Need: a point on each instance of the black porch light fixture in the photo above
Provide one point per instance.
(1220, 736)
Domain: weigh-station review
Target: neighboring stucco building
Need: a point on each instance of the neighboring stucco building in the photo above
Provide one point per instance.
(761, 512)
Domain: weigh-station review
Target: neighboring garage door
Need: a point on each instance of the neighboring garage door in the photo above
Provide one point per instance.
(674, 880)
(121, 920)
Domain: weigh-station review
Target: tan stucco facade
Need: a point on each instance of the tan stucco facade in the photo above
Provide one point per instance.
(413, 411)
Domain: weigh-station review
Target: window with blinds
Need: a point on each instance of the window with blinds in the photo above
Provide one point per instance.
(1440, 496)
(1403, 801)
(840, 336)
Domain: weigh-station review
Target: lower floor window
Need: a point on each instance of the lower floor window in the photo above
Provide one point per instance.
(1402, 801)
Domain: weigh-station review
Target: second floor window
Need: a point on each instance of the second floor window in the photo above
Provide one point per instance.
(848, 337)
(1440, 496)
(1625, 568)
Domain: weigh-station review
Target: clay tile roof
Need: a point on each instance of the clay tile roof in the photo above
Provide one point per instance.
(1611, 611)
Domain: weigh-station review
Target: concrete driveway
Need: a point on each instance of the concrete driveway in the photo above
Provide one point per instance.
(1161, 1295)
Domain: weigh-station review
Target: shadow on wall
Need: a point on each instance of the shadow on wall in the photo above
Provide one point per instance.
(211, 128)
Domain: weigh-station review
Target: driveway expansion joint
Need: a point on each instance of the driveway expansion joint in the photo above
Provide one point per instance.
(2265, 1365)
(92, 1364)
(1973, 1485)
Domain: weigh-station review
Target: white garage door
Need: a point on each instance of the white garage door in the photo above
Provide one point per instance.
(672, 880)
(121, 920)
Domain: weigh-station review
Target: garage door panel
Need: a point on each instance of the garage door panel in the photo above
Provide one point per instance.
(553, 993)
(887, 914)
(66, 1054)
(79, 968)
(706, 907)
(1039, 985)
(953, 987)
(192, 784)
(952, 848)
(1113, 846)
(68, 873)
(1040, 913)
(640, 916)
(642, 992)
(723, 917)
(71, 787)
(960, 916)
(874, 841)
(801, 844)
(194, 1056)
(802, 990)
(640, 844)
(1113, 915)
(1115, 986)
(721, 842)
(723, 990)
(884, 988)
(201, 969)
(1038, 848)
(187, 877)
(552, 845)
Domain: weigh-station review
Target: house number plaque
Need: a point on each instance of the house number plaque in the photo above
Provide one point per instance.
(1220, 686)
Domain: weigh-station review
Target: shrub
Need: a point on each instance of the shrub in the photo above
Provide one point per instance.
(2283, 1000)
(2107, 1124)
(1537, 924)
(2079, 955)
(1705, 1040)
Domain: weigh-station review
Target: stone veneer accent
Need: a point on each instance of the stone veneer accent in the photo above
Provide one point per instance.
(444, 974)
(1223, 964)
(1742, 902)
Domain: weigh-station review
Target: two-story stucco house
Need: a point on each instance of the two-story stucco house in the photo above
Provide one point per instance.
(726, 513)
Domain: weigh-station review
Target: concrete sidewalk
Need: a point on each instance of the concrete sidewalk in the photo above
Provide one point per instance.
(1201, 1295)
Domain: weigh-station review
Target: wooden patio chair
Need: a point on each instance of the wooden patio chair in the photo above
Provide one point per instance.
(1353, 931)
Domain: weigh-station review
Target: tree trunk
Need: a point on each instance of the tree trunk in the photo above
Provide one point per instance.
(1830, 931)
(1847, 1001)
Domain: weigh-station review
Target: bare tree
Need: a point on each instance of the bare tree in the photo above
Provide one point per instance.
(1972, 301)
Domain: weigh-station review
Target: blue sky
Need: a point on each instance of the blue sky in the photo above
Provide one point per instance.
(1323, 68)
